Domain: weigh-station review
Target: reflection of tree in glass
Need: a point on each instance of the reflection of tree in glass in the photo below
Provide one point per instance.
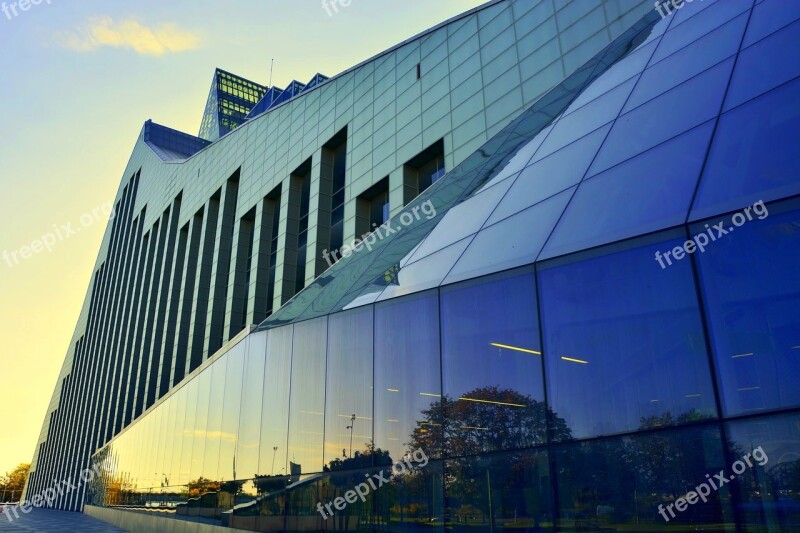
(668, 419)
(485, 419)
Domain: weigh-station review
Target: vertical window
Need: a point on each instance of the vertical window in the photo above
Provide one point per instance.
(423, 171)
(407, 375)
(307, 400)
(752, 292)
(348, 402)
(249, 433)
(275, 413)
(372, 208)
(492, 365)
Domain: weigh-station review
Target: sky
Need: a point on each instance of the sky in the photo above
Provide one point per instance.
(79, 78)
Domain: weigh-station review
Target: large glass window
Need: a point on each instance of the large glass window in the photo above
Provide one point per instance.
(247, 453)
(186, 473)
(408, 385)
(307, 401)
(499, 492)
(491, 366)
(275, 410)
(231, 406)
(752, 292)
(348, 404)
(215, 400)
(199, 434)
(642, 483)
(623, 341)
(768, 478)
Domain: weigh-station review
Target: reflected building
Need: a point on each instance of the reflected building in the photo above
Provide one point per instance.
(514, 320)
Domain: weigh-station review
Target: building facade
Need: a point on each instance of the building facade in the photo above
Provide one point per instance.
(576, 307)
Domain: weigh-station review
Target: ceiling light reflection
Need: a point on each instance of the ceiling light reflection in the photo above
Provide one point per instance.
(515, 348)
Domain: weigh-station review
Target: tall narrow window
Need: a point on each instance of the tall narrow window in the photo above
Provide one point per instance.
(372, 207)
(423, 170)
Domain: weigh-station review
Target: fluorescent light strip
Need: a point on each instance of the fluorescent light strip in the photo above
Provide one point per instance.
(693, 395)
(741, 355)
(351, 416)
(311, 413)
(496, 403)
(430, 394)
(743, 389)
(516, 348)
(796, 347)
(572, 360)
(393, 390)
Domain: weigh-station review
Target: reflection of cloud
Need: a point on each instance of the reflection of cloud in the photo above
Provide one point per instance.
(128, 33)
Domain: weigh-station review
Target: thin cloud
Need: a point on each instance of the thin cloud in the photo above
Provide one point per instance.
(130, 34)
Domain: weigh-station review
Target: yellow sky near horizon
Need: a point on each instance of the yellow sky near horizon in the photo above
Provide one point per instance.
(80, 79)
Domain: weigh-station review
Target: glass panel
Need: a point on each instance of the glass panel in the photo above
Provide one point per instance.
(199, 433)
(753, 156)
(512, 242)
(640, 483)
(491, 366)
(275, 414)
(188, 433)
(551, 175)
(688, 62)
(650, 192)
(769, 16)
(407, 374)
(500, 492)
(765, 65)
(425, 273)
(768, 449)
(623, 341)
(674, 112)
(247, 453)
(214, 425)
(710, 17)
(577, 124)
(348, 401)
(752, 292)
(307, 403)
(231, 405)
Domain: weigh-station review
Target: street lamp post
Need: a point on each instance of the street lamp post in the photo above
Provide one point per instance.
(350, 427)
(274, 451)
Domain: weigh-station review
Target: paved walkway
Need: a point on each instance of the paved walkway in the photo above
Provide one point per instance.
(46, 521)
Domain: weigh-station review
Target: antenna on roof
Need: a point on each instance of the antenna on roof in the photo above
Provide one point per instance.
(271, 63)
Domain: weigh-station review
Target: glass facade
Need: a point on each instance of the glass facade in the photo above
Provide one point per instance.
(599, 319)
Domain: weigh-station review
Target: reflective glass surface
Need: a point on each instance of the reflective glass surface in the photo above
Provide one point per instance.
(491, 367)
(407, 374)
(623, 342)
(348, 398)
(752, 290)
(275, 402)
(307, 398)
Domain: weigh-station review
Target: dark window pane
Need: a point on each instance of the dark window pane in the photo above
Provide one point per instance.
(348, 401)
(623, 484)
(623, 341)
(753, 155)
(492, 365)
(769, 486)
(765, 65)
(752, 292)
(499, 492)
(769, 16)
(407, 375)
(307, 404)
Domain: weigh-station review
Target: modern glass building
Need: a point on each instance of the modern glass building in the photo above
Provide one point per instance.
(588, 322)
(230, 100)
